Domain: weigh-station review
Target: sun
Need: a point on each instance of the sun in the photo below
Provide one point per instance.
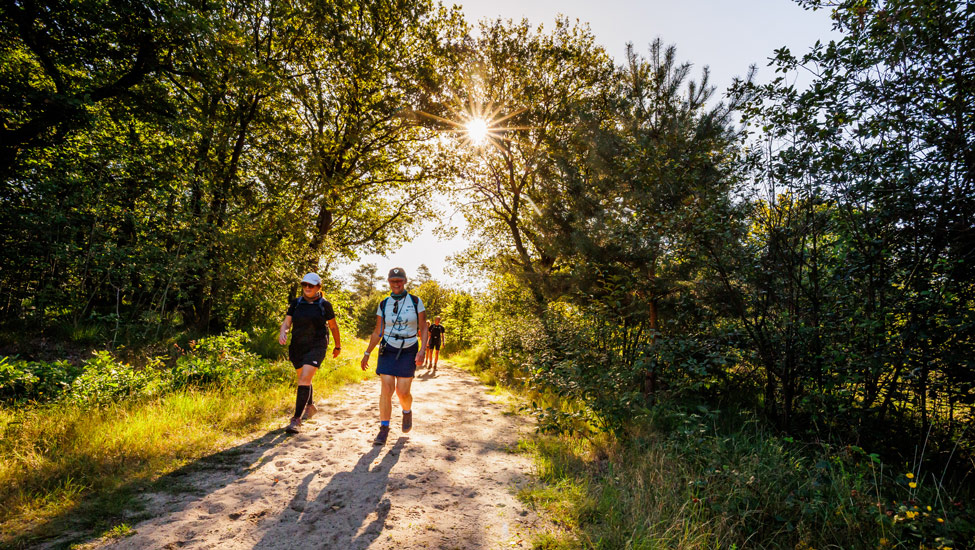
(480, 124)
(477, 131)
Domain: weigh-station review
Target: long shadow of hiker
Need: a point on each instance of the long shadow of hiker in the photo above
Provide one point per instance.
(336, 517)
(82, 523)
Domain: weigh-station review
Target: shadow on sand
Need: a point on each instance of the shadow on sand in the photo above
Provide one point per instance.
(425, 375)
(338, 516)
(89, 519)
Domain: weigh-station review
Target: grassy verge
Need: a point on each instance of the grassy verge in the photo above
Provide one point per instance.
(478, 361)
(701, 484)
(68, 466)
(687, 477)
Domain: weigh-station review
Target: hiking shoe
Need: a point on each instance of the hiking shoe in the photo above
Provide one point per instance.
(383, 435)
(294, 427)
(407, 421)
(310, 410)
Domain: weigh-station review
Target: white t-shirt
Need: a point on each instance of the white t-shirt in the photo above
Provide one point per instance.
(399, 329)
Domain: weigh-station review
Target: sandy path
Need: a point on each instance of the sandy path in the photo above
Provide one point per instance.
(448, 484)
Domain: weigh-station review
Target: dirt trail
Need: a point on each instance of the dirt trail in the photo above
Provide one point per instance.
(449, 483)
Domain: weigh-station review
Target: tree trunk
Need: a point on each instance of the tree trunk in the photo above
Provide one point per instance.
(650, 377)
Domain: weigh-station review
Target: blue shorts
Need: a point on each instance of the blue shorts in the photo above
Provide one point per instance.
(404, 367)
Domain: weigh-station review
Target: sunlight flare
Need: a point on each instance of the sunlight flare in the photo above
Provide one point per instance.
(477, 131)
(479, 124)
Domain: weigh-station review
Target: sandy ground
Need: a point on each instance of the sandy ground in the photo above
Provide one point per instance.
(449, 483)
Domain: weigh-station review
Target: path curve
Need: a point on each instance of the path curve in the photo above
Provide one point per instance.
(450, 483)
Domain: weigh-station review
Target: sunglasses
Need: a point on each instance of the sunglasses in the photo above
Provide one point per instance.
(395, 307)
(308, 285)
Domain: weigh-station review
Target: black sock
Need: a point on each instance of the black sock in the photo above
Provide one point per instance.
(303, 393)
(311, 393)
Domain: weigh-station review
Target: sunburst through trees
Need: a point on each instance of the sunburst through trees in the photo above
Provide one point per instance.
(480, 124)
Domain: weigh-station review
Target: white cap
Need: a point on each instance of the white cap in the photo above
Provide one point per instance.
(312, 278)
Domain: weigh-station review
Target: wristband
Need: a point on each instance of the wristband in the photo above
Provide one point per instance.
(366, 354)
(336, 348)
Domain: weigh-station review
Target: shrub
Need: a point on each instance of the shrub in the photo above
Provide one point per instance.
(38, 381)
(459, 318)
(222, 360)
(365, 316)
(264, 342)
(105, 379)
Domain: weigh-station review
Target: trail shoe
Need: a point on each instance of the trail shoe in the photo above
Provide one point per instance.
(310, 410)
(407, 421)
(383, 435)
(294, 427)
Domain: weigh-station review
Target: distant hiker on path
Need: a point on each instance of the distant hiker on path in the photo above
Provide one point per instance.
(401, 328)
(436, 340)
(307, 317)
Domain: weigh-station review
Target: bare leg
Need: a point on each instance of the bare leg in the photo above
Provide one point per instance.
(386, 396)
(305, 374)
(403, 392)
(436, 360)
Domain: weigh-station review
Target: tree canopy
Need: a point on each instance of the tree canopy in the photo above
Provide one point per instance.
(179, 164)
(806, 251)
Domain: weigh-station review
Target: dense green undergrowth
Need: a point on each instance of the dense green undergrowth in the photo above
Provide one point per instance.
(686, 476)
(223, 360)
(77, 442)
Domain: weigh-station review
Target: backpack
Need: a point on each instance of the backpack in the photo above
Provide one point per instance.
(382, 308)
(320, 302)
(321, 307)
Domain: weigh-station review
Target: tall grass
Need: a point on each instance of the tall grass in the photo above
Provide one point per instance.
(70, 456)
(693, 481)
(479, 362)
(686, 477)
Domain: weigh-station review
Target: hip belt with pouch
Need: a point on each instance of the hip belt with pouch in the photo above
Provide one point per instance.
(382, 344)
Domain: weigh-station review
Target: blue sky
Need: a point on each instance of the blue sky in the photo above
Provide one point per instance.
(726, 35)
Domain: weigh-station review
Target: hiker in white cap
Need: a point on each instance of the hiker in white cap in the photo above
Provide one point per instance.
(307, 317)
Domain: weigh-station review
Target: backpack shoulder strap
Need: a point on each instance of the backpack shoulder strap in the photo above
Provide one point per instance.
(416, 302)
(382, 310)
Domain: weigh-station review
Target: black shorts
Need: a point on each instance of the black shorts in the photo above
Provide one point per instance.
(300, 357)
(434, 344)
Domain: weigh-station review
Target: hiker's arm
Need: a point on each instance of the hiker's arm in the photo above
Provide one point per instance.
(283, 335)
(373, 340)
(334, 328)
(424, 335)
